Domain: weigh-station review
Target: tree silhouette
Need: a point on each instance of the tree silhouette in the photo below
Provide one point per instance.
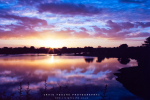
(147, 42)
(123, 46)
(32, 47)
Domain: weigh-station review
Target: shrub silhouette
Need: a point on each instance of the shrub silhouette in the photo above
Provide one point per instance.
(123, 46)
(147, 42)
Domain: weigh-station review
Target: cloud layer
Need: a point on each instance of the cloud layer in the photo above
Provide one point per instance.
(118, 19)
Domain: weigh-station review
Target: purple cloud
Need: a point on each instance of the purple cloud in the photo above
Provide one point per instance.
(25, 20)
(121, 30)
(29, 27)
(143, 24)
(133, 1)
(69, 8)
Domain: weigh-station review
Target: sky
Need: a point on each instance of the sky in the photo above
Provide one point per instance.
(74, 23)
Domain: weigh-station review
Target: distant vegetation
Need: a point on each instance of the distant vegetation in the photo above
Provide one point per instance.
(121, 51)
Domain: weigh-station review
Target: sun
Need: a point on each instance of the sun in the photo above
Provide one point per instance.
(52, 43)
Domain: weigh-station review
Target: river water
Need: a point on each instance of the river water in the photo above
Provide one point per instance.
(82, 75)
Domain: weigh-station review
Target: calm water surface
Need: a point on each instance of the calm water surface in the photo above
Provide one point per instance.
(80, 74)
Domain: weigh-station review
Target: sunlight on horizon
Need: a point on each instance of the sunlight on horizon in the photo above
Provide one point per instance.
(51, 43)
(72, 42)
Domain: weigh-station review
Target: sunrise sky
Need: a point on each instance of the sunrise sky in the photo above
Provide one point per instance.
(74, 23)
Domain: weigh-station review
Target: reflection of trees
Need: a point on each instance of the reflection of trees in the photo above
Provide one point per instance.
(100, 59)
(136, 79)
(124, 60)
(89, 60)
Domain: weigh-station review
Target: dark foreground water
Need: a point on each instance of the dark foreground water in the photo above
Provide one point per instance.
(78, 74)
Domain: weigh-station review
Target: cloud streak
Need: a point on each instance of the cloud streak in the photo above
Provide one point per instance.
(69, 9)
(133, 1)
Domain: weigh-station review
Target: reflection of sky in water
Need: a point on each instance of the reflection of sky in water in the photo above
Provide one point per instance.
(61, 71)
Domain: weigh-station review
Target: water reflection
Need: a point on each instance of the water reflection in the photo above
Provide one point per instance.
(100, 59)
(89, 59)
(124, 60)
(61, 71)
